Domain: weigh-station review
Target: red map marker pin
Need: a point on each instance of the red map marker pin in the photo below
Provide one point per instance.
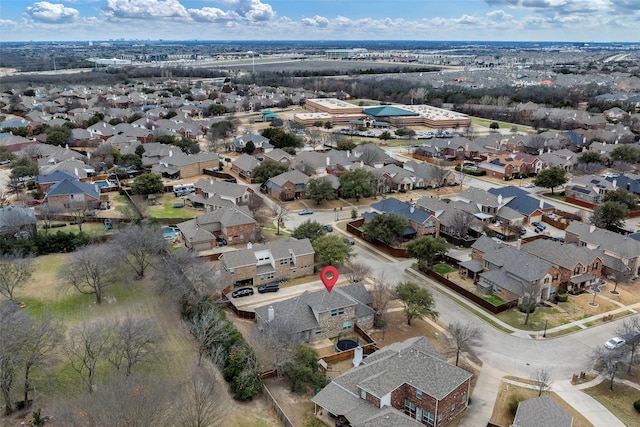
(329, 276)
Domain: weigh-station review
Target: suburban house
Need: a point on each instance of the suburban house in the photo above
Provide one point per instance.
(287, 186)
(428, 175)
(279, 156)
(565, 159)
(235, 225)
(541, 411)
(17, 222)
(579, 267)
(45, 181)
(69, 192)
(235, 193)
(244, 165)
(318, 315)
(509, 273)
(629, 182)
(261, 144)
(619, 253)
(263, 263)
(588, 190)
(421, 222)
(404, 384)
(520, 201)
(178, 164)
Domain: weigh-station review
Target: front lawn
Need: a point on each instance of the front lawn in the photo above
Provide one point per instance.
(619, 401)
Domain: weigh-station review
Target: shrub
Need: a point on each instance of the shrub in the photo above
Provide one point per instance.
(514, 401)
(562, 297)
(527, 307)
(636, 405)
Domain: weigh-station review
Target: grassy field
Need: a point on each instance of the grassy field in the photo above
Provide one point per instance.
(176, 356)
(443, 269)
(619, 401)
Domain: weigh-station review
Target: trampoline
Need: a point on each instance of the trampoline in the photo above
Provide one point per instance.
(346, 344)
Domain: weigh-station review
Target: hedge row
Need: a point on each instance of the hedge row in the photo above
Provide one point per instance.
(43, 244)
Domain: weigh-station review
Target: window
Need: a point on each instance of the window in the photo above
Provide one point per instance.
(293, 269)
(410, 408)
(464, 397)
(453, 408)
(546, 280)
(318, 331)
(486, 264)
(270, 276)
(428, 417)
(262, 277)
(419, 394)
(439, 418)
(346, 325)
(576, 270)
(284, 261)
(595, 266)
(363, 394)
(232, 271)
(337, 311)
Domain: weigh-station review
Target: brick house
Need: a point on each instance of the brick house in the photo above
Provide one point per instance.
(263, 263)
(244, 165)
(408, 379)
(579, 267)
(235, 224)
(318, 315)
(235, 193)
(288, 186)
(509, 273)
(70, 191)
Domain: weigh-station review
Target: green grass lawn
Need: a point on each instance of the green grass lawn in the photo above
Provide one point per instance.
(442, 269)
(536, 322)
(493, 299)
(503, 125)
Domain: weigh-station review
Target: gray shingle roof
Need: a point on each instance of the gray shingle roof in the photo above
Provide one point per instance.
(413, 362)
(294, 176)
(518, 263)
(68, 187)
(563, 254)
(221, 188)
(542, 411)
(279, 249)
(246, 162)
(604, 239)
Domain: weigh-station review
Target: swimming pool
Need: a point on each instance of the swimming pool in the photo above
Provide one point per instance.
(102, 184)
(170, 233)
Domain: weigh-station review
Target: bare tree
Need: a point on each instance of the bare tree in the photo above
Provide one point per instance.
(630, 331)
(280, 213)
(12, 339)
(133, 341)
(461, 221)
(15, 271)
(543, 380)
(607, 362)
(136, 401)
(208, 328)
(87, 345)
(315, 137)
(356, 271)
(254, 203)
(439, 174)
(138, 245)
(200, 403)
(382, 294)
(47, 213)
(78, 211)
(91, 270)
(463, 337)
(187, 278)
(41, 339)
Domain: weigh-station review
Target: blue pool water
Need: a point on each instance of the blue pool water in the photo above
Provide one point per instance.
(170, 233)
(101, 183)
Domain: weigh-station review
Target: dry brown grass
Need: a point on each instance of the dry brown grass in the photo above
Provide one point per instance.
(503, 417)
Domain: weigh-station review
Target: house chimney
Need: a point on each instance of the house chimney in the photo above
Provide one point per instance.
(519, 244)
(541, 204)
(357, 356)
(592, 229)
(76, 171)
(271, 314)
(170, 153)
(210, 181)
(540, 151)
(412, 209)
(614, 184)
(328, 161)
(499, 199)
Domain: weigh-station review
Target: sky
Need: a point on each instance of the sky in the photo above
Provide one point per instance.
(474, 20)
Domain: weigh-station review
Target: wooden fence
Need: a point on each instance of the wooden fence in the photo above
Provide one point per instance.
(495, 309)
(353, 227)
(274, 404)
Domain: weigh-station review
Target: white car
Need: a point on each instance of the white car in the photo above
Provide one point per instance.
(529, 185)
(615, 342)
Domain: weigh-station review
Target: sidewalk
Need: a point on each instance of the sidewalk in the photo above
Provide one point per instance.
(490, 378)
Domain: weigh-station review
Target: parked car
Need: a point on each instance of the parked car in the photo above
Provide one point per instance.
(529, 185)
(305, 212)
(349, 241)
(269, 287)
(328, 228)
(242, 292)
(539, 225)
(615, 342)
(34, 202)
(523, 231)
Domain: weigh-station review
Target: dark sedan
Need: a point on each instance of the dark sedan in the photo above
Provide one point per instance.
(242, 292)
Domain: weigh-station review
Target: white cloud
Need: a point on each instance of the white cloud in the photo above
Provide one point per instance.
(51, 13)
(144, 9)
(5, 24)
(316, 21)
(211, 14)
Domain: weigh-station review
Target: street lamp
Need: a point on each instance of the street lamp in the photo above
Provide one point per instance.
(545, 328)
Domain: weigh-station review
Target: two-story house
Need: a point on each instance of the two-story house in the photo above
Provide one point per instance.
(619, 253)
(288, 186)
(263, 263)
(178, 164)
(234, 224)
(236, 193)
(404, 384)
(579, 267)
(318, 315)
(587, 190)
